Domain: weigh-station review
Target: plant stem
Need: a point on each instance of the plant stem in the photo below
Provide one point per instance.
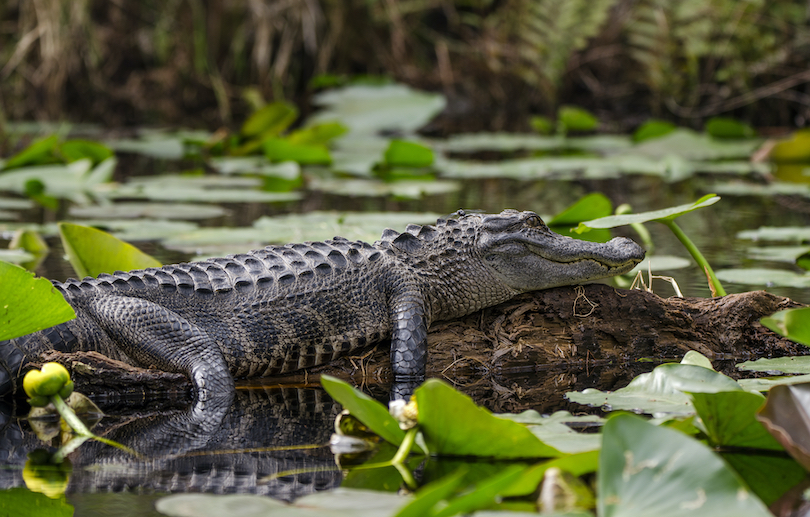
(70, 417)
(406, 446)
(714, 283)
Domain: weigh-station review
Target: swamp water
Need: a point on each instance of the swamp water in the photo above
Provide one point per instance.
(178, 209)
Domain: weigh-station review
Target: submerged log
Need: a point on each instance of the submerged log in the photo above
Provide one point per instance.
(553, 330)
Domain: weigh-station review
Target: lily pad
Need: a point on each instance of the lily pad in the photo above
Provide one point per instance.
(92, 252)
(29, 304)
(15, 256)
(132, 210)
(649, 470)
(653, 129)
(793, 364)
(777, 253)
(289, 170)
(728, 419)
(588, 207)
(270, 120)
(402, 153)
(446, 417)
(71, 181)
(406, 189)
(660, 392)
(209, 189)
(39, 151)
(763, 384)
(777, 233)
(766, 277)
(691, 145)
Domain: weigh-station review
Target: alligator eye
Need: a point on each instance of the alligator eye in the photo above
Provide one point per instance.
(534, 221)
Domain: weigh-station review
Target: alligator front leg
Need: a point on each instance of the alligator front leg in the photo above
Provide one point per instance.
(409, 341)
(156, 337)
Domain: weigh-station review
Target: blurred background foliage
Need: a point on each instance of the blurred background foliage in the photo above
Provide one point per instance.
(211, 62)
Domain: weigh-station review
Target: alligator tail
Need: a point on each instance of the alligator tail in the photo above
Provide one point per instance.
(15, 354)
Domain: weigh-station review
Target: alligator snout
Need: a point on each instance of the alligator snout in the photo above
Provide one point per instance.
(627, 249)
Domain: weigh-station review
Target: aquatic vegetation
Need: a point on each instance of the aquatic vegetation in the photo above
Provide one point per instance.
(29, 304)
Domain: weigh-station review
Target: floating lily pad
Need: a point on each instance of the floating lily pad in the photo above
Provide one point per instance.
(573, 118)
(649, 470)
(71, 181)
(16, 203)
(691, 145)
(777, 253)
(140, 229)
(29, 304)
(39, 151)
(132, 210)
(371, 109)
(653, 129)
(312, 226)
(775, 188)
(159, 144)
(660, 392)
(255, 165)
(15, 256)
(724, 127)
(210, 189)
(766, 277)
(793, 364)
(408, 189)
(777, 233)
(763, 384)
(402, 153)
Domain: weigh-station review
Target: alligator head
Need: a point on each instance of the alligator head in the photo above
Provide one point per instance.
(527, 256)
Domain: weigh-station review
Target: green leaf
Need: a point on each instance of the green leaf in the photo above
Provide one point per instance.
(22, 501)
(28, 304)
(588, 207)
(92, 252)
(723, 127)
(573, 118)
(38, 152)
(374, 415)
(766, 277)
(282, 150)
(660, 392)
(542, 125)
(401, 153)
(73, 150)
(319, 134)
(800, 364)
(453, 425)
(484, 494)
(729, 419)
(647, 470)
(653, 129)
(270, 120)
(794, 324)
(666, 214)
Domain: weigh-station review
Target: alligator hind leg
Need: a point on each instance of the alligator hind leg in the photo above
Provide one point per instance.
(155, 337)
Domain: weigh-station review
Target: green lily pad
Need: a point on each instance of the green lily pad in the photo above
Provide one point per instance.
(788, 254)
(775, 233)
(282, 150)
(649, 470)
(794, 324)
(132, 210)
(793, 149)
(432, 494)
(371, 413)
(694, 146)
(92, 252)
(653, 129)
(38, 152)
(73, 150)
(208, 189)
(729, 419)
(590, 206)
(792, 364)
(404, 189)
(140, 229)
(318, 134)
(402, 153)
(28, 304)
(15, 256)
(270, 120)
(446, 420)
(371, 109)
(666, 214)
(766, 277)
(289, 170)
(71, 181)
(16, 203)
(776, 188)
(724, 127)
(763, 384)
(660, 392)
(573, 118)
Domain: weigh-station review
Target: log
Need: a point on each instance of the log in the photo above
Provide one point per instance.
(557, 332)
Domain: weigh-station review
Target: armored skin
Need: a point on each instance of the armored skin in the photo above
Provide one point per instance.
(285, 308)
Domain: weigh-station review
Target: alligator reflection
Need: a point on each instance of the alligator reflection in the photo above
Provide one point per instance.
(222, 445)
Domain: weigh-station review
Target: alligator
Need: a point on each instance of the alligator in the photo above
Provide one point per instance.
(285, 308)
